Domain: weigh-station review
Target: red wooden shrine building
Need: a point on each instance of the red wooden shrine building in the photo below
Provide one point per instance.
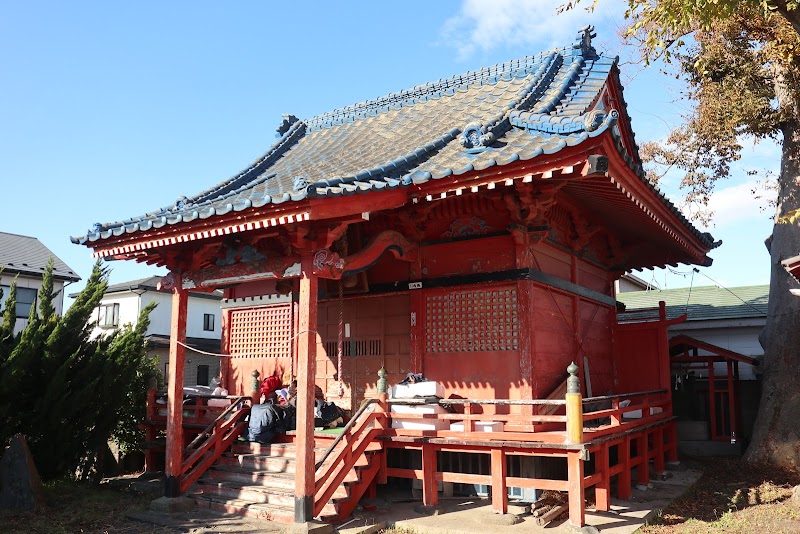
(469, 229)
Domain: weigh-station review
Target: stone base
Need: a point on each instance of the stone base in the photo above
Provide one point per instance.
(489, 517)
(428, 510)
(172, 505)
(310, 527)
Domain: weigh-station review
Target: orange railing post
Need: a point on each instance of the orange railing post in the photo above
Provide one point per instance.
(575, 466)
(574, 407)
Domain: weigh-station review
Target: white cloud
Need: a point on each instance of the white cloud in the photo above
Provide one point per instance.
(736, 204)
(484, 25)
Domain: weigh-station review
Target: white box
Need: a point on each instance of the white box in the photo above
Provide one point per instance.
(420, 389)
(416, 408)
(480, 426)
(419, 424)
(637, 414)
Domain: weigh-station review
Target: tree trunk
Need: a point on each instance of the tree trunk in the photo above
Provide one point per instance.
(776, 436)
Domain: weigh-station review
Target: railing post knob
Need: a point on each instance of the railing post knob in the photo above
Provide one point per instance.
(573, 382)
(574, 406)
(383, 385)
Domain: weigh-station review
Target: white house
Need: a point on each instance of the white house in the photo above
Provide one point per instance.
(122, 303)
(25, 258)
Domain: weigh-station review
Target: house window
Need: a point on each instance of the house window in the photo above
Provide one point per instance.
(208, 322)
(26, 299)
(202, 375)
(108, 316)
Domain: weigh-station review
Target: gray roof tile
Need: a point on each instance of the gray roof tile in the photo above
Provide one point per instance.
(527, 107)
(27, 255)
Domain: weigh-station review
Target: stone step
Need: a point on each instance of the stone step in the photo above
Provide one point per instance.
(287, 450)
(274, 464)
(243, 475)
(269, 512)
(260, 494)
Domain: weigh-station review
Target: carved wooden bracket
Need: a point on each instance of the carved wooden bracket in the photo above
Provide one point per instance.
(217, 275)
(330, 265)
(527, 204)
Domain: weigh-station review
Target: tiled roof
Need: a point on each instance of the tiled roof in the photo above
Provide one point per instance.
(27, 255)
(494, 116)
(703, 303)
(151, 284)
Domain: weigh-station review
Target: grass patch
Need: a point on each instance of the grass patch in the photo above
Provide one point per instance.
(733, 496)
(74, 507)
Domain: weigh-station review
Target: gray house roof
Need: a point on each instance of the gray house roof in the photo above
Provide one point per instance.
(704, 302)
(20, 254)
(488, 118)
(151, 284)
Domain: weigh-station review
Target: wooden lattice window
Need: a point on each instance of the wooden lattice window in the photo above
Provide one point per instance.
(476, 320)
(356, 347)
(261, 332)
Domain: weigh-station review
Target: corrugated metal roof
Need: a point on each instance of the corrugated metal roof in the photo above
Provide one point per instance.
(703, 303)
(27, 255)
(494, 116)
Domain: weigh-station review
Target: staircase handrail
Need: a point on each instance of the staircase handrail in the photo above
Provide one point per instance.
(219, 436)
(345, 430)
(358, 434)
(207, 430)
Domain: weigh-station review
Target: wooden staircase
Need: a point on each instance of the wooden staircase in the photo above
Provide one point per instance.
(257, 481)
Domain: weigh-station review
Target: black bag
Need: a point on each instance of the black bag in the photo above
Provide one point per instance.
(326, 412)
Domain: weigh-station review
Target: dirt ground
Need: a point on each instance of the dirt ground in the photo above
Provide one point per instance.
(84, 508)
(733, 496)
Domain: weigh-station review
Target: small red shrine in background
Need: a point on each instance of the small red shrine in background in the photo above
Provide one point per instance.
(468, 229)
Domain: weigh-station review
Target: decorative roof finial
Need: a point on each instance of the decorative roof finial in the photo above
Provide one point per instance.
(583, 43)
(288, 120)
(300, 183)
(183, 202)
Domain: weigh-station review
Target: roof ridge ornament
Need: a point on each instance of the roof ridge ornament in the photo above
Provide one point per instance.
(475, 138)
(583, 43)
(288, 121)
(182, 202)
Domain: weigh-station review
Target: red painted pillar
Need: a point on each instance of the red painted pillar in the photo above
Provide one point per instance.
(430, 487)
(306, 368)
(731, 403)
(577, 506)
(499, 488)
(602, 490)
(712, 401)
(177, 335)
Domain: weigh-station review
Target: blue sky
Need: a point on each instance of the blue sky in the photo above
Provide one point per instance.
(109, 110)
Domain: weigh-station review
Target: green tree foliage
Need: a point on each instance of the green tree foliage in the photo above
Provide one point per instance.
(66, 392)
(741, 63)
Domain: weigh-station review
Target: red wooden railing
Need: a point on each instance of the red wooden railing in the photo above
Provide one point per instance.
(367, 423)
(213, 441)
(544, 427)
